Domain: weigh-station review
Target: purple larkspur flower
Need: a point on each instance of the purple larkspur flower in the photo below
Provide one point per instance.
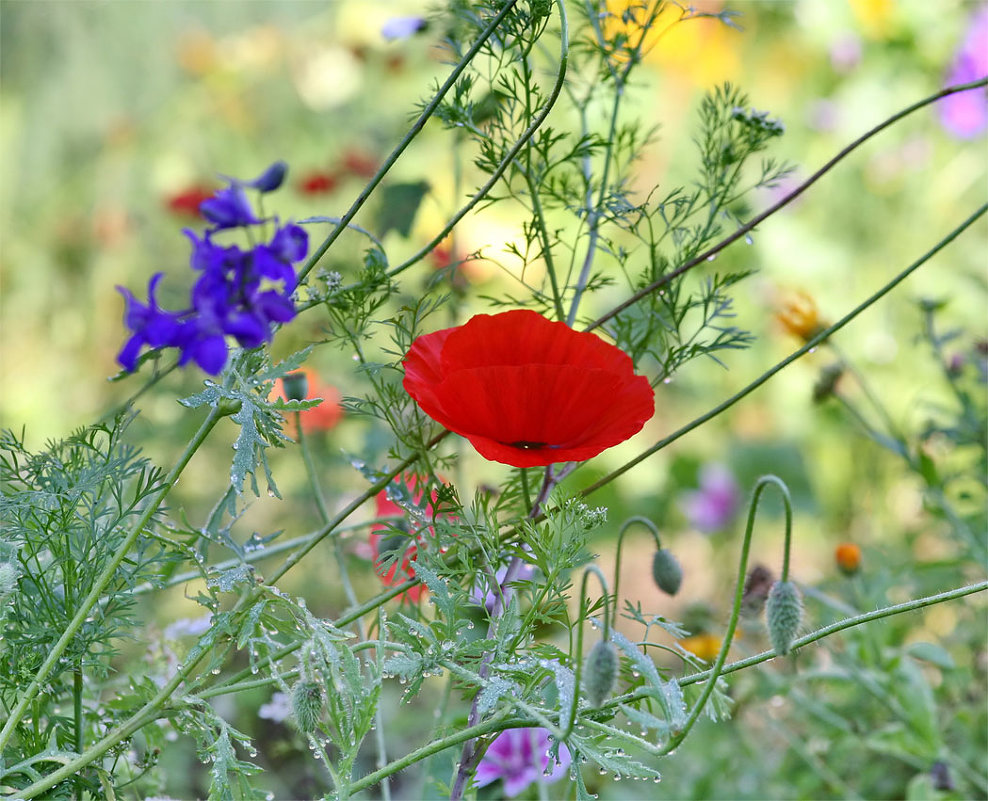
(239, 293)
(485, 594)
(519, 757)
(228, 208)
(965, 114)
(149, 324)
(403, 27)
(713, 506)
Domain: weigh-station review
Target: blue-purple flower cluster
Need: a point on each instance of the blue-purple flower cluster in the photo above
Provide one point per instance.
(239, 294)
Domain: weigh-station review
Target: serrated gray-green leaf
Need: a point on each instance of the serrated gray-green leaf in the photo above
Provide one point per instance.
(286, 365)
(227, 580)
(565, 687)
(642, 663)
(494, 689)
(438, 590)
(249, 439)
(615, 762)
(646, 720)
(404, 666)
(208, 396)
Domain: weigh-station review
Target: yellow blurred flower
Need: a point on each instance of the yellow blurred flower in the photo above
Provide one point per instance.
(703, 646)
(873, 16)
(702, 50)
(798, 314)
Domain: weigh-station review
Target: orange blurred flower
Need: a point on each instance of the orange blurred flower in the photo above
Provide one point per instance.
(319, 418)
(848, 558)
(703, 646)
(798, 315)
(318, 183)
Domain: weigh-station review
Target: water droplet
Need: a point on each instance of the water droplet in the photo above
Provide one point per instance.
(748, 240)
(711, 257)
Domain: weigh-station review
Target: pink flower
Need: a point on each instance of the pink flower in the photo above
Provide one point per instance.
(520, 757)
(713, 506)
(965, 114)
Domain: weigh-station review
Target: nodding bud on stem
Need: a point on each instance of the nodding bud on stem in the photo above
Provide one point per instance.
(783, 615)
(667, 571)
(296, 386)
(600, 672)
(307, 705)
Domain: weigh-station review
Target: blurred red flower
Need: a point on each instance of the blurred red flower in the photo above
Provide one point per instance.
(401, 539)
(187, 201)
(318, 183)
(319, 418)
(359, 163)
(527, 391)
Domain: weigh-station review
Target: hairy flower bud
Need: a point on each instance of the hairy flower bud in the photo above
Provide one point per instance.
(666, 571)
(307, 705)
(783, 615)
(600, 672)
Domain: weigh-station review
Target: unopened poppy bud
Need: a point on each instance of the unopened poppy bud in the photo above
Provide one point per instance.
(783, 614)
(307, 705)
(296, 386)
(600, 672)
(666, 571)
(848, 558)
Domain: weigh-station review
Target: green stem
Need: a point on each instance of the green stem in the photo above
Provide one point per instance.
(810, 345)
(578, 653)
(414, 131)
(744, 229)
(833, 628)
(620, 544)
(106, 576)
(715, 671)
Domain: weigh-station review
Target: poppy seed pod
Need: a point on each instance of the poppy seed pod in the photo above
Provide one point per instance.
(783, 615)
(666, 571)
(600, 672)
(307, 705)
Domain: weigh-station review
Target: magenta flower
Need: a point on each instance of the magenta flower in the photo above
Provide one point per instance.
(965, 114)
(713, 506)
(520, 757)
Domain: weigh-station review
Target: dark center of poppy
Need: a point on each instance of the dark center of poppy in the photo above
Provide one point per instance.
(526, 446)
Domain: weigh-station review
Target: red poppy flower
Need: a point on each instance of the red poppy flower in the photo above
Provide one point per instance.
(187, 201)
(318, 183)
(402, 543)
(527, 391)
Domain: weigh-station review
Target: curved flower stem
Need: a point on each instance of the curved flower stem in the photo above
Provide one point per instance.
(578, 653)
(810, 345)
(749, 226)
(414, 131)
(107, 574)
(715, 671)
(620, 544)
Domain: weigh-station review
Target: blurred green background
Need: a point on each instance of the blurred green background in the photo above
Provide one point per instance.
(112, 110)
